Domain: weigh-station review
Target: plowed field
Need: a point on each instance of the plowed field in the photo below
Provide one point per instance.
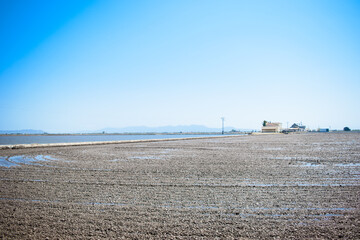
(264, 186)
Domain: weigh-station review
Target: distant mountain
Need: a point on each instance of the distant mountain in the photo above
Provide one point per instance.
(24, 131)
(167, 129)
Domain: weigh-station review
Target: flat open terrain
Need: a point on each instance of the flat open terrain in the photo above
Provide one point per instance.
(265, 186)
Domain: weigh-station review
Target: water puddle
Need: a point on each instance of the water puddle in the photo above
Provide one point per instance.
(166, 151)
(310, 164)
(145, 157)
(303, 158)
(316, 217)
(348, 165)
(291, 184)
(103, 204)
(284, 158)
(118, 160)
(5, 163)
(273, 149)
(192, 207)
(22, 159)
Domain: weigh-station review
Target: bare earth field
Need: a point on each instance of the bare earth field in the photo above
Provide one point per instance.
(266, 186)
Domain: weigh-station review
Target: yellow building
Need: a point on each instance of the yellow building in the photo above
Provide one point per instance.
(271, 127)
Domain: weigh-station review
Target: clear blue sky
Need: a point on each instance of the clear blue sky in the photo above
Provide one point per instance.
(85, 65)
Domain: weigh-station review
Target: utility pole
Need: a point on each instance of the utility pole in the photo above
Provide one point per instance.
(223, 119)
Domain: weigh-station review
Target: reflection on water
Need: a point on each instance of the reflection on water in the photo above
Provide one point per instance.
(145, 157)
(6, 163)
(348, 165)
(22, 159)
(310, 164)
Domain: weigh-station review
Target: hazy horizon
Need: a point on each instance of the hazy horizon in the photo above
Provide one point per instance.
(140, 129)
(148, 129)
(69, 66)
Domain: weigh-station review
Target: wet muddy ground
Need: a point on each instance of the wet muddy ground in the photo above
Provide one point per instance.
(265, 186)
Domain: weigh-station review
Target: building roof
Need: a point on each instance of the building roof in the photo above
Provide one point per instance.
(275, 124)
(298, 126)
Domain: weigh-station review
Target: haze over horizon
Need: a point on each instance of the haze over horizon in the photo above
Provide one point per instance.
(86, 65)
(135, 129)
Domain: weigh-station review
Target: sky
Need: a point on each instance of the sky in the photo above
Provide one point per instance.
(73, 65)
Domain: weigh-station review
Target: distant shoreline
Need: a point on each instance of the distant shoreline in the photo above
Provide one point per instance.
(69, 144)
(110, 134)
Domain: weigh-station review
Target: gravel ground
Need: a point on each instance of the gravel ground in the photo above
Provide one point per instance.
(244, 187)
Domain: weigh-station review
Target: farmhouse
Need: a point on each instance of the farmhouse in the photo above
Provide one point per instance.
(271, 127)
(297, 128)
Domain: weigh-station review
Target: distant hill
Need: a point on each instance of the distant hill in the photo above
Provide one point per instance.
(167, 129)
(24, 131)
